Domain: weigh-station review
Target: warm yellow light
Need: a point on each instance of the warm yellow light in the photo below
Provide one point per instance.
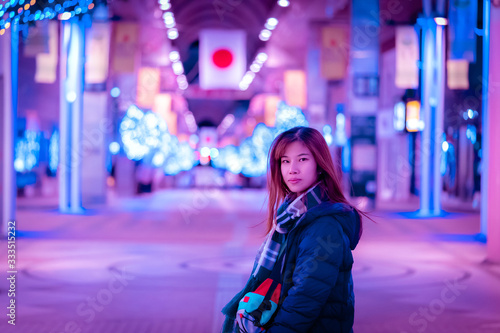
(32, 2)
(7, 25)
(91, 6)
(413, 123)
(27, 6)
(2, 32)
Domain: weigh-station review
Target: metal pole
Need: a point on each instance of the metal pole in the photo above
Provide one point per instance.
(71, 103)
(438, 119)
(426, 146)
(76, 64)
(64, 149)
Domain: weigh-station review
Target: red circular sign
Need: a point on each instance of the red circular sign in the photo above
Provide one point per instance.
(222, 58)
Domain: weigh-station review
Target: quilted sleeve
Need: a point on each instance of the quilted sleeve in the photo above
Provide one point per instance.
(319, 257)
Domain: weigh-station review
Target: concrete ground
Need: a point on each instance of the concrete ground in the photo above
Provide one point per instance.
(169, 261)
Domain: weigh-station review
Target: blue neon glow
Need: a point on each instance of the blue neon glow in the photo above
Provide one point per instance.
(288, 117)
(205, 151)
(445, 146)
(145, 137)
(158, 159)
(160, 149)
(182, 158)
(254, 150)
(327, 134)
(54, 151)
(229, 159)
(214, 153)
(471, 133)
(27, 152)
(114, 148)
(340, 133)
(444, 158)
(26, 16)
(141, 132)
(346, 157)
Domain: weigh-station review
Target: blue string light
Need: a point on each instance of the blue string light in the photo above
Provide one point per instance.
(141, 141)
(28, 11)
(54, 151)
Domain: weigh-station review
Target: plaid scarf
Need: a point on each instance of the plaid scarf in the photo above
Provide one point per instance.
(288, 217)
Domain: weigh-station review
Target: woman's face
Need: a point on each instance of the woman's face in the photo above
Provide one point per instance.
(298, 167)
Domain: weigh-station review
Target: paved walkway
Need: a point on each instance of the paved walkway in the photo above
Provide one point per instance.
(169, 261)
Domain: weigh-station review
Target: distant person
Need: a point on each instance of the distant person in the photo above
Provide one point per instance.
(312, 231)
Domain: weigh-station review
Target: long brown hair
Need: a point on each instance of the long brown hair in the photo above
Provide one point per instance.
(329, 177)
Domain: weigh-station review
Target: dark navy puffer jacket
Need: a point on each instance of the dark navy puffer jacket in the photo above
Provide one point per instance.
(317, 282)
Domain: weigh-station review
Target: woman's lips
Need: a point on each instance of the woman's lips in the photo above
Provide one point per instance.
(294, 181)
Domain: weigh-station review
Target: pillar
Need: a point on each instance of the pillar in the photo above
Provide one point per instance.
(97, 125)
(432, 107)
(363, 93)
(10, 49)
(490, 177)
(71, 105)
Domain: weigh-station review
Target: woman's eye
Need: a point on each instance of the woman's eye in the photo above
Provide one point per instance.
(284, 161)
(303, 159)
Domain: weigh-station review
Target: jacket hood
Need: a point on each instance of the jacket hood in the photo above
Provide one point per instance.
(344, 214)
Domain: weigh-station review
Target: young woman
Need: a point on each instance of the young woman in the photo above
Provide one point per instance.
(313, 228)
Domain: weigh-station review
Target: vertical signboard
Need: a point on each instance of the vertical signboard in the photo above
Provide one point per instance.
(363, 156)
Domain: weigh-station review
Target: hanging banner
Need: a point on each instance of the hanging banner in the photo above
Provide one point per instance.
(407, 55)
(295, 88)
(38, 39)
(222, 58)
(148, 86)
(270, 108)
(461, 34)
(163, 107)
(458, 74)
(46, 63)
(363, 156)
(334, 53)
(125, 45)
(97, 52)
(154, 46)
